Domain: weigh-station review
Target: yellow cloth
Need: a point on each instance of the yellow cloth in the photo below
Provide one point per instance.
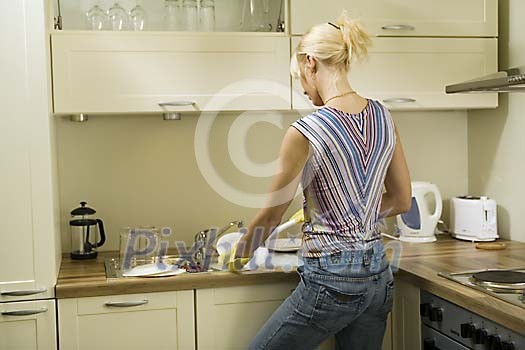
(235, 264)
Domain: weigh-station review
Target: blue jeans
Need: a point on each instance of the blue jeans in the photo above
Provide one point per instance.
(348, 295)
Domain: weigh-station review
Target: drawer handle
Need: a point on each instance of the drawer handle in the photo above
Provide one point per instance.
(399, 100)
(177, 104)
(21, 293)
(126, 303)
(24, 312)
(398, 27)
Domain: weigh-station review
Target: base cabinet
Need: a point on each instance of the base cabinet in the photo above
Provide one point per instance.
(135, 321)
(222, 314)
(228, 318)
(406, 322)
(28, 325)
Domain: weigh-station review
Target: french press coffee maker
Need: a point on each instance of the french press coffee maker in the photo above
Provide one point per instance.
(85, 232)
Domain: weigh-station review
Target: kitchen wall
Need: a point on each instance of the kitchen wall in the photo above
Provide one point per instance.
(141, 170)
(496, 137)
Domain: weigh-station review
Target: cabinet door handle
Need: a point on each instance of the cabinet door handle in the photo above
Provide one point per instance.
(126, 303)
(398, 27)
(21, 293)
(399, 100)
(24, 312)
(177, 104)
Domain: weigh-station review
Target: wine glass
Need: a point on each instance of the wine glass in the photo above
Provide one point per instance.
(191, 15)
(207, 15)
(173, 14)
(96, 17)
(117, 17)
(137, 17)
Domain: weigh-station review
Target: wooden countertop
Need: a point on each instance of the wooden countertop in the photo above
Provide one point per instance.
(416, 263)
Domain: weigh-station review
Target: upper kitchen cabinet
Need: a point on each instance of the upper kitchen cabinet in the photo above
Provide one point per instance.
(445, 18)
(171, 65)
(153, 72)
(411, 73)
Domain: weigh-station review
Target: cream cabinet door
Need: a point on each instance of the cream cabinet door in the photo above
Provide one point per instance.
(27, 239)
(220, 325)
(411, 73)
(475, 18)
(135, 72)
(28, 325)
(136, 321)
(406, 322)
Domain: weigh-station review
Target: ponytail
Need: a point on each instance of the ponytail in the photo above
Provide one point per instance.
(354, 36)
(333, 44)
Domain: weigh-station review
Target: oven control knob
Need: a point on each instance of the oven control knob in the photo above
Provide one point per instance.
(429, 344)
(494, 342)
(507, 346)
(480, 337)
(436, 314)
(467, 330)
(424, 309)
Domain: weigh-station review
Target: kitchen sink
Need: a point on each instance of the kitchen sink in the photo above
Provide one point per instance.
(113, 266)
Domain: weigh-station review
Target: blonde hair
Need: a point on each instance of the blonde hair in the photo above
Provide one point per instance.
(334, 44)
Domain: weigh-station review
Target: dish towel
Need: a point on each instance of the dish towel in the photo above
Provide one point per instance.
(263, 259)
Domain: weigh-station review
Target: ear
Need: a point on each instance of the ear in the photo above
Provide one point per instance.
(311, 63)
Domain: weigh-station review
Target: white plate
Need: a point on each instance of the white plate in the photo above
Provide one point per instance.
(153, 270)
(226, 242)
(166, 274)
(284, 245)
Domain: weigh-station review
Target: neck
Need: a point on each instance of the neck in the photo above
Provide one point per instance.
(332, 84)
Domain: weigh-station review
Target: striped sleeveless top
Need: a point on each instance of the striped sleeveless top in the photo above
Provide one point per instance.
(343, 180)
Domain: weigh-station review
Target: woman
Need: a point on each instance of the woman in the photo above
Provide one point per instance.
(349, 159)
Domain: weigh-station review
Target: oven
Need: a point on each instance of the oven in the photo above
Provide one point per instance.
(445, 326)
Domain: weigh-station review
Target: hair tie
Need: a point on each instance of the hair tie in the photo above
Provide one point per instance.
(335, 26)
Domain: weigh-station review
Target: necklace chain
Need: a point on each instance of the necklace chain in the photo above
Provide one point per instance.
(339, 96)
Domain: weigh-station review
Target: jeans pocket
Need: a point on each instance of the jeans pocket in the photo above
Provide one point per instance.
(341, 298)
(333, 308)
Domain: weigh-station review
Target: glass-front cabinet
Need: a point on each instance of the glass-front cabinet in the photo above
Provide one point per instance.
(171, 15)
(169, 56)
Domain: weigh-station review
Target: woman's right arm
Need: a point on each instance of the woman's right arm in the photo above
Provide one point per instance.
(398, 196)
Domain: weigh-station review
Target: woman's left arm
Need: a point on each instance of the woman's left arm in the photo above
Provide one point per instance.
(295, 151)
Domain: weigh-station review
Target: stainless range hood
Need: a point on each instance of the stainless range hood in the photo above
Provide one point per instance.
(510, 80)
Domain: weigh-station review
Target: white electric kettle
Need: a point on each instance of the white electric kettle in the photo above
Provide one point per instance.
(418, 224)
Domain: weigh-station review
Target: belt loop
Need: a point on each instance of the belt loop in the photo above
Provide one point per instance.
(367, 256)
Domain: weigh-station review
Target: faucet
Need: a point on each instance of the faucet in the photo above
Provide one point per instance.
(207, 238)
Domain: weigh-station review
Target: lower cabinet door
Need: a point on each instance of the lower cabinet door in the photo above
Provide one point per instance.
(406, 321)
(28, 325)
(136, 321)
(228, 318)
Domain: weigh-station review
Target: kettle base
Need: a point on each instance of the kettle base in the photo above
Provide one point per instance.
(417, 239)
(83, 256)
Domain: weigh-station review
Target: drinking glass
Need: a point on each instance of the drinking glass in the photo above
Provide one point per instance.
(117, 17)
(191, 15)
(255, 16)
(96, 17)
(137, 17)
(207, 15)
(173, 15)
(138, 246)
